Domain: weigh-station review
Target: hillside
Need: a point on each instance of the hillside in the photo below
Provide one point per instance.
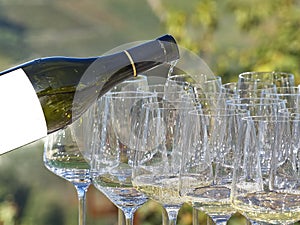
(76, 28)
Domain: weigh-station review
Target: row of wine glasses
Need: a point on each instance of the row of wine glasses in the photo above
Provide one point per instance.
(197, 143)
(213, 126)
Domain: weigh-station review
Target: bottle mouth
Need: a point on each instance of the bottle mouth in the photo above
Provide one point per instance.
(170, 46)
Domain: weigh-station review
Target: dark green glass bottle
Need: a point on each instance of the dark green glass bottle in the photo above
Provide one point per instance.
(66, 86)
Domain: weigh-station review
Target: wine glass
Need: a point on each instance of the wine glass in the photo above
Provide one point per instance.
(248, 89)
(198, 86)
(210, 144)
(139, 82)
(112, 157)
(265, 185)
(180, 87)
(257, 106)
(158, 153)
(166, 93)
(63, 158)
(280, 79)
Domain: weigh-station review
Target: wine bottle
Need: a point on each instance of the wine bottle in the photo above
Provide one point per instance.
(46, 94)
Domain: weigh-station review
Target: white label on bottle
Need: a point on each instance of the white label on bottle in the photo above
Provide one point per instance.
(21, 116)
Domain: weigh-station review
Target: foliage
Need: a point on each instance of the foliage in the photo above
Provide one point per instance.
(234, 36)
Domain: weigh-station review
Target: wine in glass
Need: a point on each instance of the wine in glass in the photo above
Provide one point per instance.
(158, 153)
(208, 87)
(265, 186)
(210, 143)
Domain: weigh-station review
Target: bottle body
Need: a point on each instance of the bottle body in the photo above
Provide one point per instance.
(66, 87)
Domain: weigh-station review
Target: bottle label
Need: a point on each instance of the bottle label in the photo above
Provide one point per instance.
(21, 116)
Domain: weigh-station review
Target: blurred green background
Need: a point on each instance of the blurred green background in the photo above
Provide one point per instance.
(232, 36)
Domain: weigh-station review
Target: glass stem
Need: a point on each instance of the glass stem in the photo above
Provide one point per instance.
(129, 214)
(81, 193)
(165, 217)
(220, 219)
(129, 221)
(195, 217)
(121, 217)
(172, 214)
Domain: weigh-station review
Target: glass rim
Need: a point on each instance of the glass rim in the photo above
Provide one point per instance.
(274, 101)
(294, 88)
(233, 87)
(231, 112)
(208, 94)
(206, 77)
(283, 94)
(270, 118)
(286, 110)
(287, 74)
(157, 105)
(183, 81)
(129, 94)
